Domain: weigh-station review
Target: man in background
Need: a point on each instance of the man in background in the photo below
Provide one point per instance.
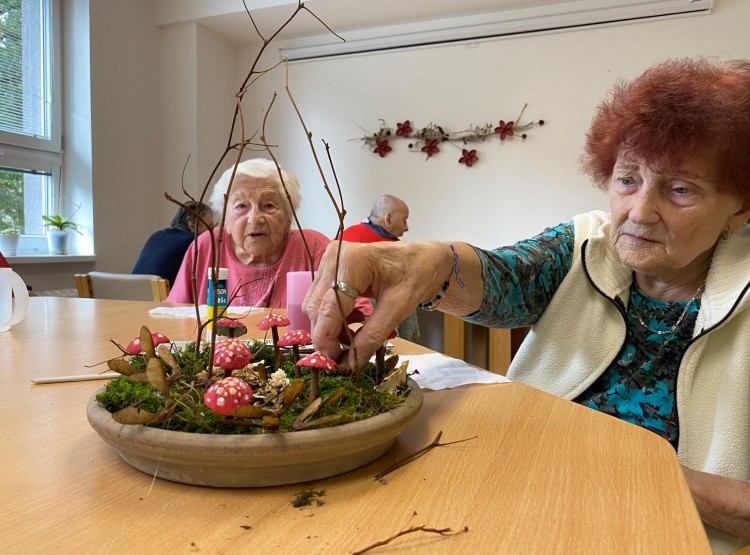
(386, 222)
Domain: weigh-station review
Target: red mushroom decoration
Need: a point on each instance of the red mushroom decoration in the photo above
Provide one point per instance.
(294, 339)
(316, 362)
(226, 395)
(232, 354)
(273, 321)
(230, 327)
(134, 347)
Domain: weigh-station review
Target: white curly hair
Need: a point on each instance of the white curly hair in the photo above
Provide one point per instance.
(259, 168)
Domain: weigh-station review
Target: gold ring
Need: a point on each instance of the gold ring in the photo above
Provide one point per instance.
(345, 288)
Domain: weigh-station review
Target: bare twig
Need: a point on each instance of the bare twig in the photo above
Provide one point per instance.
(440, 531)
(414, 456)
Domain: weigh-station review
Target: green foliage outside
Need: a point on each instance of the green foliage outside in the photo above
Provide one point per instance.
(11, 114)
(11, 201)
(11, 56)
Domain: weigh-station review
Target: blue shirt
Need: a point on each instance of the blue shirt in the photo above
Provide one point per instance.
(163, 253)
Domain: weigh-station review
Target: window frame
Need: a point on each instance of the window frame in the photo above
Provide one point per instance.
(35, 154)
(54, 143)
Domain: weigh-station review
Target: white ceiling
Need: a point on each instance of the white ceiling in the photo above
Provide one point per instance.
(229, 18)
(376, 24)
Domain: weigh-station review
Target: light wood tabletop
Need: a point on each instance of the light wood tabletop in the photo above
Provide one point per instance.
(543, 475)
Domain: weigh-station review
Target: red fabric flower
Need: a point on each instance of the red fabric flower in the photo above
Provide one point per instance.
(431, 147)
(404, 129)
(468, 157)
(382, 147)
(504, 129)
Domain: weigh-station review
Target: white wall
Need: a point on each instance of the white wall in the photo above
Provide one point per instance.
(197, 103)
(126, 129)
(518, 187)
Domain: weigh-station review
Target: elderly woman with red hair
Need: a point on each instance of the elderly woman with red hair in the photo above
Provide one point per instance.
(641, 312)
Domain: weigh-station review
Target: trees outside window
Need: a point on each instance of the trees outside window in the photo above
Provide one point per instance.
(30, 152)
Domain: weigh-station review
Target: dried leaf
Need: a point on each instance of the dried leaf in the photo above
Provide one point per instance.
(251, 411)
(121, 366)
(291, 393)
(132, 415)
(156, 378)
(333, 397)
(166, 355)
(310, 409)
(391, 362)
(395, 380)
(317, 422)
(271, 422)
(147, 342)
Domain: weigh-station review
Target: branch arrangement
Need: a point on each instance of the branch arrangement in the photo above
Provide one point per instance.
(430, 140)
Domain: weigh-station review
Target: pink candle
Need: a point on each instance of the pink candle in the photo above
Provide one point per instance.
(297, 284)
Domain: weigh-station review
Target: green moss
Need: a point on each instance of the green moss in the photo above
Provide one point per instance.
(121, 393)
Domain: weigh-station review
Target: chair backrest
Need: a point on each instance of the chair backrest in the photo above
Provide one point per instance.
(129, 287)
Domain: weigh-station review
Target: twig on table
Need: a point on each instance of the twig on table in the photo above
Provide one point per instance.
(441, 531)
(409, 458)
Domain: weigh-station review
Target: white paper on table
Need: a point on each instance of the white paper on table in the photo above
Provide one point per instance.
(438, 371)
(189, 311)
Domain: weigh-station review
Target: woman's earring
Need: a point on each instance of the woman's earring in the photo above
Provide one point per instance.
(726, 233)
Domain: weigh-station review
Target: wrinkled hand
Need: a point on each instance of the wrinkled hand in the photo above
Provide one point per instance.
(398, 275)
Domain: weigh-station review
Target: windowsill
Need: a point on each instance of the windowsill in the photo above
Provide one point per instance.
(50, 259)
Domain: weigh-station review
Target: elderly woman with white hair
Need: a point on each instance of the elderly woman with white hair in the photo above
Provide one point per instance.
(258, 246)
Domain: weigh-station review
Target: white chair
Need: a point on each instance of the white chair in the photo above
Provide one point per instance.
(128, 287)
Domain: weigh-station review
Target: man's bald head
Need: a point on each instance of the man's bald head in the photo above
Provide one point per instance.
(390, 213)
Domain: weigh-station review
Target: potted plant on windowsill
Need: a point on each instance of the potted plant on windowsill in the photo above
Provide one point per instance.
(57, 233)
(9, 240)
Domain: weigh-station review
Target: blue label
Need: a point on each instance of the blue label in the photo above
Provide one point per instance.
(221, 293)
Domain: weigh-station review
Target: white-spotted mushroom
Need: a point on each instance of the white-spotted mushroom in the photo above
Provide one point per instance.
(232, 354)
(273, 321)
(295, 339)
(228, 394)
(316, 362)
(134, 347)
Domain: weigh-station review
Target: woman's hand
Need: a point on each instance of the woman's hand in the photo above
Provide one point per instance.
(398, 275)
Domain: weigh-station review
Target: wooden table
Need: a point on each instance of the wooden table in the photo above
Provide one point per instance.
(544, 475)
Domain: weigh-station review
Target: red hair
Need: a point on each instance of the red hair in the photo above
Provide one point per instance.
(675, 114)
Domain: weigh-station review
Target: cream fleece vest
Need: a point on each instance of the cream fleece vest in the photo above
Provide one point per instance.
(582, 330)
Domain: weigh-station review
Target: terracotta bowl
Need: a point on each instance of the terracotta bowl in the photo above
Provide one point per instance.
(255, 460)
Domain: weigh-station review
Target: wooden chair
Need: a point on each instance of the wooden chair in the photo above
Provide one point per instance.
(129, 287)
(491, 349)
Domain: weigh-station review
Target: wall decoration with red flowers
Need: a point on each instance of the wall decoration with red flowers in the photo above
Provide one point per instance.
(431, 139)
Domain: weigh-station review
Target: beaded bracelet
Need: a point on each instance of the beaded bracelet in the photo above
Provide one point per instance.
(433, 303)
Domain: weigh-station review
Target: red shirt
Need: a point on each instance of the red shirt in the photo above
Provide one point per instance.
(363, 233)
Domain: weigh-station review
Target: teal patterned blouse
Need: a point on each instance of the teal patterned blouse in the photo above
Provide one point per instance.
(639, 384)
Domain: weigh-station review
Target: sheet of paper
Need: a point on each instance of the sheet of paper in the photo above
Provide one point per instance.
(438, 371)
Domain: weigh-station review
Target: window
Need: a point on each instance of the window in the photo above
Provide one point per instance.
(30, 137)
